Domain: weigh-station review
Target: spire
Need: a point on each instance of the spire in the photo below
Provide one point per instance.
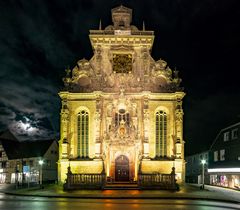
(143, 27)
(100, 25)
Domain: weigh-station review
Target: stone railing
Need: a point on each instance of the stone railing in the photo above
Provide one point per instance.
(111, 32)
(85, 181)
(157, 181)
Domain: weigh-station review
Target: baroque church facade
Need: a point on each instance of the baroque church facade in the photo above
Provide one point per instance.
(121, 110)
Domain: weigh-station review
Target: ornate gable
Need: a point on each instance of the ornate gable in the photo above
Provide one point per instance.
(122, 59)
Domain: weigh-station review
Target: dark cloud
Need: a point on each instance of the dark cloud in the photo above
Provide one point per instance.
(40, 38)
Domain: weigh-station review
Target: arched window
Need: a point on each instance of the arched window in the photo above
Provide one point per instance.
(82, 134)
(161, 133)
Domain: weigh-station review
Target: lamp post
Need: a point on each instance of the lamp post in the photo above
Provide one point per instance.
(203, 164)
(40, 162)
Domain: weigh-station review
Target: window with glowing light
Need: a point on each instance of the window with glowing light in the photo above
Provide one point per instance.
(161, 133)
(82, 134)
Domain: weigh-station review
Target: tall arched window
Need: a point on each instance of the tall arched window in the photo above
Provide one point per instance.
(161, 133)
(82, 134)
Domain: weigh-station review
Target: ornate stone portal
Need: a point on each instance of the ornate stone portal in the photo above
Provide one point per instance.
(121, 110)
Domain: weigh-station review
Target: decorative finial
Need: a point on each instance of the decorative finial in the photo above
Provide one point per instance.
(100, 25)
(143, 26)
(122, 91)
(175, 73)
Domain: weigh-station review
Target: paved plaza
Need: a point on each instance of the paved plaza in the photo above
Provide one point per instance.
(186, 191)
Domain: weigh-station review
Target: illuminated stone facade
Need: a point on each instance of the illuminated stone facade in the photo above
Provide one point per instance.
(121, 105)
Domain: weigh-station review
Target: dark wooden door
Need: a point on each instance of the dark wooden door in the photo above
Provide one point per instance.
(121, 168)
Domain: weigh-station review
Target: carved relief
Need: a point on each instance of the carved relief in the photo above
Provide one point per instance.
(122, 63)
(144, 75)
(98, 53)
(179, 111)
(179, 115)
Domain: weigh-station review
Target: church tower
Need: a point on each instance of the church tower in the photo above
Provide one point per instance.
(121, 110)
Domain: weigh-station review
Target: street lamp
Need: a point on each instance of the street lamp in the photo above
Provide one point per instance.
(203, 164)
(40, 162)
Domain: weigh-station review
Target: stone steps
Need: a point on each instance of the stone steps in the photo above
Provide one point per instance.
(121, 186)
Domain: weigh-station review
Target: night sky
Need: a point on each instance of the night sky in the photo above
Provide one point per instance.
(40, 38)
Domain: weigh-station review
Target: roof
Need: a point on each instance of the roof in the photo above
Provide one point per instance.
(23, 149)
(197, 154)
(7, 135)
(26, 149)
(35, 148)
(221, 131)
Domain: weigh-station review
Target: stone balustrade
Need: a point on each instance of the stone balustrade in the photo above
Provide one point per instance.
(157, 181)
(85, 181)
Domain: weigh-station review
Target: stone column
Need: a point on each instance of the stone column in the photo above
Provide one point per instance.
(64, 130)
(146, 128)
(97, 129)
(179, 129)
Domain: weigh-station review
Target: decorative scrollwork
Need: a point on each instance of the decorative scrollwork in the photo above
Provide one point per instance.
(122, 63)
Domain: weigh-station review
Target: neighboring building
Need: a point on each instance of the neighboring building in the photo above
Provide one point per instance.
(224, 159)
(194, 168)
(4, 164)
(121, 111)
(19, 161)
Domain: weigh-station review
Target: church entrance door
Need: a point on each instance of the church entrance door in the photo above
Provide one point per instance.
(121, 168)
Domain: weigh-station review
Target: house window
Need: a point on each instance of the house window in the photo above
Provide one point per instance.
(226, 136)
(161, 133)
(1, 153)
(31, 163)
(83, 134)
(48, 163)
(222, 154)
(235, 133)
(215, 156)
(4, 164)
